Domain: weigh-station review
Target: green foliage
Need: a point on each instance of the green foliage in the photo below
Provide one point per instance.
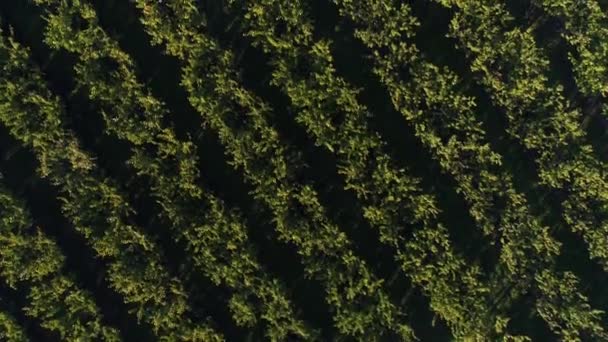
(391, 196)
(527, 289)
(92, 202)
(30, 260)
(514, 70)
(216, 238)
(253, 146)
(10, 331)
(586, 29)
(567, 311)
(444, 119)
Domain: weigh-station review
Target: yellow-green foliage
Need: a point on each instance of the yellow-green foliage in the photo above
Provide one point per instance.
(472, 236)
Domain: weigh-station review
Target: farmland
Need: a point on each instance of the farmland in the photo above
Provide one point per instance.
(293, 170)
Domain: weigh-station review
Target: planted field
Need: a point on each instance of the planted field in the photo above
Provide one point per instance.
(298, 170)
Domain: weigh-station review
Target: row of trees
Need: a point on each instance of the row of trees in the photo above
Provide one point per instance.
(439, 107)
(444, 119)
(586, 31)
(514, 70)
(216, 238)
(328, 108)
(34, 264)
(10, 330)
(359, 303)
(92, 202)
